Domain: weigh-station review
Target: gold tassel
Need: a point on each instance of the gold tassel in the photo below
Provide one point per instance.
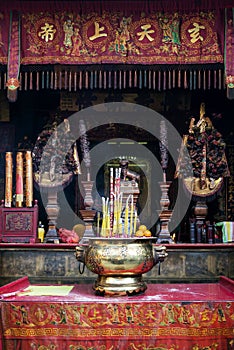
(43, 80)
(130, 79)
(100, 79)
(60, 80)
(20, 79)
(199, 79)
(51, 80)
(70, 81)
(95, 79)
(75, 81)
(204, 80)
(124, 79)
(209, 79)
(30, 81)
(80, 80)
(37, 82)
(169, 79)
(120, 79)
(164, 80)
(179, 78)
(149, 77)
(65, 80)
(135, 78)
(25, 81)
(86, 80)
(185, 80)
(215, 79)
(115, 80)
(55, 80)
(159, 80)
(47, 79)
(173, 78)
(154, 80)
(194, 79)
(109, 79)
(104, 80)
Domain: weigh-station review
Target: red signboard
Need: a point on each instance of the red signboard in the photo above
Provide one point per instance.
(155, 38)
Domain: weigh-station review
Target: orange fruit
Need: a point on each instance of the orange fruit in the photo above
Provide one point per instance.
(139, 233)
(142, 228)
(147, 233)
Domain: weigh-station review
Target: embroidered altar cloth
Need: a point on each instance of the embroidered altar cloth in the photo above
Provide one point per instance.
(167, 316)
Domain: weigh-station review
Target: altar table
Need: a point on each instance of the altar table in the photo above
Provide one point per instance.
(166, 317)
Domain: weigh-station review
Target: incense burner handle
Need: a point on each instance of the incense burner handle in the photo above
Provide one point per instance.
(80, 256)
(159, 253)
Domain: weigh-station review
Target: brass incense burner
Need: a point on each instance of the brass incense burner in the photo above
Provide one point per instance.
(120, 263)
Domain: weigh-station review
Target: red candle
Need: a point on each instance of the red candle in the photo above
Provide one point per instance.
(28, 179)
(8, 179)
(19, 189)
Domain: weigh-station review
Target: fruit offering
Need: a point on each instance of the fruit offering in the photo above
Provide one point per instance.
(142, 231)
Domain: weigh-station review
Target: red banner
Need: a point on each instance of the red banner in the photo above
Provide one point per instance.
(13, 56)
(229, 43)
(4, 33)
(153, 38)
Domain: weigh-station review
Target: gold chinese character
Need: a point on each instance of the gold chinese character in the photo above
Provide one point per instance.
(97, 33)
(146, 33)
(195, 32)
(47, 32)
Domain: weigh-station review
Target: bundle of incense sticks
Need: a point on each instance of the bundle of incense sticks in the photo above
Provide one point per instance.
(105, 229)
(111, 198)
(117, 204)
(112, 211)
(117, 225)
(119, 229)
(117, 181)
(130, 217)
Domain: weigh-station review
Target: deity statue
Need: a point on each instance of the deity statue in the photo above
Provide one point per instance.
(202, 164)
(206, 149)
(55, 161)
(126, 172)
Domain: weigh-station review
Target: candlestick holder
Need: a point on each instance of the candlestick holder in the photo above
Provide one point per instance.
(52, 210)
(200, 212)
(88, 214)
(88, 198)
(165, 214)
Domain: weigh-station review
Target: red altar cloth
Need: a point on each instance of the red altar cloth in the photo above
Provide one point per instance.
(166, 317)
